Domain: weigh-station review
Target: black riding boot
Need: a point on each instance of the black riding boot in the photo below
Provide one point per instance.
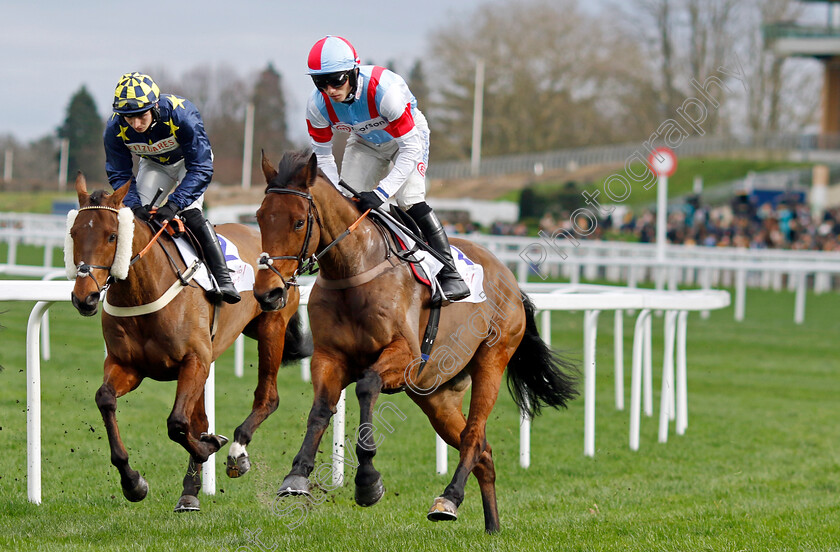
(203, 231)
(451, 283)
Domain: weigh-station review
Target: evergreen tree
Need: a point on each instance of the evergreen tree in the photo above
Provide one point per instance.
(417, 85)
(83, 129)
(270, 129)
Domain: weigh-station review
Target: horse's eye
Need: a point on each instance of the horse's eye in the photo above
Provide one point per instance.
(112, 238)
(299, 225)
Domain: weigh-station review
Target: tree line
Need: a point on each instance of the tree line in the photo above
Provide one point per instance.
(557, 75)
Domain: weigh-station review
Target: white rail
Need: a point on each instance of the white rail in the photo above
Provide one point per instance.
(589, 299)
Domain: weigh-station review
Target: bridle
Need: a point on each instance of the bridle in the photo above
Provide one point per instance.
(305, 265)
(83, 269)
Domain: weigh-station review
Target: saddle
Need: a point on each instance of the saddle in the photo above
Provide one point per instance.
(407, 254)
(190, 250)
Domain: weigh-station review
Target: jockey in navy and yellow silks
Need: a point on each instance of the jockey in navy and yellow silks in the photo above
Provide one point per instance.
(167, 133)
(177, 134)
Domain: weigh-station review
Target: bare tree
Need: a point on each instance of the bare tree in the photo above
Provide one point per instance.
(220, 95)
(551, 73)
(712, 37)
(782, 93)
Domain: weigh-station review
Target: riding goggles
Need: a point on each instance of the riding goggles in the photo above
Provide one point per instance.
(335, 80)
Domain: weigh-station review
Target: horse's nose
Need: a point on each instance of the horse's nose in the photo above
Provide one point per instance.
(274, 299)
(87, 307)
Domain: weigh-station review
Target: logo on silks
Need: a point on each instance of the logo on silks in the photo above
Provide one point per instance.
(237, 268)
(223, 242)
(421, 168)
(460, 255)
(343, 127)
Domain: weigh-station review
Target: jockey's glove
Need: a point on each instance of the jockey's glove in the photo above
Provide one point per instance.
(166, 213)
(142, 212)
(368, 200)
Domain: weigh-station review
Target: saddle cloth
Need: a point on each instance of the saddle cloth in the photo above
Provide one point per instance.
(472, 273)
(242, 274)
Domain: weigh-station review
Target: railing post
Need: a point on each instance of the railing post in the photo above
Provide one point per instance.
(801, 288)
(33, 401)
(636, 378)
(590, 332)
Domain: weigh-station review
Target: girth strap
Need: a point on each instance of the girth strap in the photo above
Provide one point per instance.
(429, 336)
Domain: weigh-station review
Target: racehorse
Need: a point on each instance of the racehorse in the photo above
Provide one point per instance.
(146, 337)
(367, 318)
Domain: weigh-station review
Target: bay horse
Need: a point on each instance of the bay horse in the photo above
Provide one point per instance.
(171, 342)
(367, 324)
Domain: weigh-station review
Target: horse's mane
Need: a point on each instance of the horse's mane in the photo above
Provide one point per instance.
(290, 165)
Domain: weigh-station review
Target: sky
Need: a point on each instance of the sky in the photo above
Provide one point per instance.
(49, 49)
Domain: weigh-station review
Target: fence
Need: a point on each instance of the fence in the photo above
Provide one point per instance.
(573, 158)
(590, 299)
(532, 258)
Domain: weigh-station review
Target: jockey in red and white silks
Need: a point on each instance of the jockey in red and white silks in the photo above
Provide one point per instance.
(384, 125)
(376, 107)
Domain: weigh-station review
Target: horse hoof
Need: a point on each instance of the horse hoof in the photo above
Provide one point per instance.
(294, 485)
(217, 441)
(371, 494)
(187, 503)
(138, 492)
(443, 510)
(237, 467)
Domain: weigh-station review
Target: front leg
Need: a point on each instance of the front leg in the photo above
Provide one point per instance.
(118, 381)
(329, 377)
(191, 379)
(369, 486)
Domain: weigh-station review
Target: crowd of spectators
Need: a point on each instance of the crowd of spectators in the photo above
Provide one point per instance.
(788, 223)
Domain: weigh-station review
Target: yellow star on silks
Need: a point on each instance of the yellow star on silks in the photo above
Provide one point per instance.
(176, 102)
(172, 126)
(122, 132)
(163, 159)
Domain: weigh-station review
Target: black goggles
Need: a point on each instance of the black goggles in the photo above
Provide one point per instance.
(335, 80)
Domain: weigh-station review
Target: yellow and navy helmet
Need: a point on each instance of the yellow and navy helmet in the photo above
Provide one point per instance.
(135, 93)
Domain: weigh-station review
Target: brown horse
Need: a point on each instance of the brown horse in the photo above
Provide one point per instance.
(175, 341)
(367, 319)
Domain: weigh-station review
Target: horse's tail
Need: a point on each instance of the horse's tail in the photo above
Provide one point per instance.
(537, 375)
(298, 342)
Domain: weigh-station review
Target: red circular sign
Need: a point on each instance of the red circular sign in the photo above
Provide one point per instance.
(662, 162)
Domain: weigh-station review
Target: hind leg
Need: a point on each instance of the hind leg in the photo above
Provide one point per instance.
(468, 437)
(271, 330)
(192, 479)
(118, 381)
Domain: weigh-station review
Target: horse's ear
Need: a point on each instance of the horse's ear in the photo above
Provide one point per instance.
(311, 170)
(268, 169)
(81, 188)
(119, 193)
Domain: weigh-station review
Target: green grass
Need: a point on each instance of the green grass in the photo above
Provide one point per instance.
(32, 255)
(713, 171)
(33, 202)
(758, 469)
